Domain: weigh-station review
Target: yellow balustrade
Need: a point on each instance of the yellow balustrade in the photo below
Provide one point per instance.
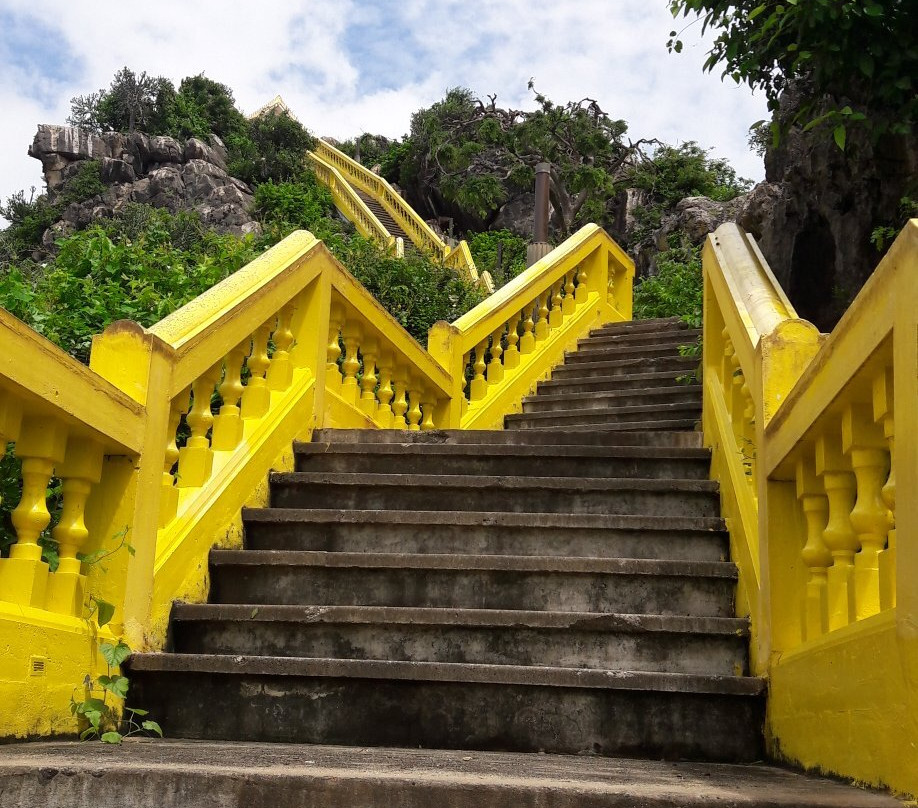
(811, 437)
(804, 443)
(341, 175)
(512, 340)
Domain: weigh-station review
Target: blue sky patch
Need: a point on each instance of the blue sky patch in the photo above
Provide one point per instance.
(39, 56)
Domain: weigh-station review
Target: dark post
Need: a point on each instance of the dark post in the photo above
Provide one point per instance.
(540, 245)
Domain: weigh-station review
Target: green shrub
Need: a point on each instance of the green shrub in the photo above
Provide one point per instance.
(484, 249)
(677, 290)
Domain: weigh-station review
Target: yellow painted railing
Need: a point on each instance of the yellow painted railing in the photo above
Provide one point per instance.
(173, 429)
(356, 210)
(419, 232)
(811, 437)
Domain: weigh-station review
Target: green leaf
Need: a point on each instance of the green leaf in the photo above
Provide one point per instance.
(137, 711)
(115, 654)
(115, 684)
(866, 64)
(756, 11)
(105, 611)
(94, 717)
(89, 732)
(111, 737)
(840, 135)
(152, 726)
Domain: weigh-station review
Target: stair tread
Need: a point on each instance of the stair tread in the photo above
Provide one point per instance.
(459, 561)
(603, 622)
(397, 776)
(459, 672)
(487, 518)
(639, 392)
(594, 412)
(498, 437)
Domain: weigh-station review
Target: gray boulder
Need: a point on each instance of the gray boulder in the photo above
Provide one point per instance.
(165, 150)
(198, 150)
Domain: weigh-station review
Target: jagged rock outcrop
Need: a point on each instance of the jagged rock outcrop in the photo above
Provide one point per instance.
(158, 171)
(814, 214)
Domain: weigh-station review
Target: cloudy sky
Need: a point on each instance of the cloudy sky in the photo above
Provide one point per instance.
(347, 66)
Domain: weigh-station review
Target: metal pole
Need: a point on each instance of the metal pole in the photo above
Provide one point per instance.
(542, 179)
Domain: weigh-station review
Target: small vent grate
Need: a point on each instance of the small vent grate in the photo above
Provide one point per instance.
(38, 665)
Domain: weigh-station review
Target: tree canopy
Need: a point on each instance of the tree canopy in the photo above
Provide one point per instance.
(475, 154)
(857, 58)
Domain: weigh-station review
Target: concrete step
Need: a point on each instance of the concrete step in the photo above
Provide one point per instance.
(500, 460)
(454, 581)
(652, 398)
(483, 533)
(642, 339)
(451, 706)
(503, 437)
(612, 352)
(505, 494)
(635, 326)
(681, 426)
(635, 417)
(693, 645)
(200, 774)
(628, 381)
(606, 368)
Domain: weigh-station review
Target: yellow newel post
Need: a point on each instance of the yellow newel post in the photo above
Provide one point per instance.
(24, 576)
(128, 499)
(443, 346)
(80, 471)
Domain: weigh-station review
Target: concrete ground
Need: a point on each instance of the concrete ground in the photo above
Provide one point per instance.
(172, 773)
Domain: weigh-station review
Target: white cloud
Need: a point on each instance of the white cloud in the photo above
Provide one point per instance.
(613, 52)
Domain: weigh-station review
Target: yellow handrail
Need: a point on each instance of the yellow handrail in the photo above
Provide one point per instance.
(810, 440)
(419, 232)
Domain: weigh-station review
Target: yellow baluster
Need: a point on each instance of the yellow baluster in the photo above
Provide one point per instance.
(196, 459)
(351, 336)
(333, 351)
(384, 413)
(580, 294)
(726, 374)
(567, 303)
(81, 469)
(527, 341)
(839, 535)
(495, 368)
(555, 316)
(256, 398)
(747, 434)
(865, 444)
(24, 576)
(815, 611)
(428, 405)
(280, 374)
(478, 387)
(228, 427)
(883, 411)
(512, 354)
(169, 496)
(414, 413)
(368, 382)
(541, 327)
(10, 422)
(400, 403)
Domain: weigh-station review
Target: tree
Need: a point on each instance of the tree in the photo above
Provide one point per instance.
(858, 59)
(131, 101)
(475, 155)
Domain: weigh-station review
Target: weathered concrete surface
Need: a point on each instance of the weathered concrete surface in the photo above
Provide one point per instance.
(188, 774)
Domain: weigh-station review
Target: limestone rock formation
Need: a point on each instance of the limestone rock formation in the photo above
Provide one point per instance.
(158, 171)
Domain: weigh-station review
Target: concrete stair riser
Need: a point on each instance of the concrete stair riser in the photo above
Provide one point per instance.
(294, 579)
(686, 395)
(594, 641)
(482, 534)
(512, 461)
(615, 353)
(374, 711)
(499, 494)
(673, 340)
(649, 416)
(607, 368)
(634, 381)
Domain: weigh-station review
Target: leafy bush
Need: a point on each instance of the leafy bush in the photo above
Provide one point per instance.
(273, 148)
(677, 290)
(512, 249)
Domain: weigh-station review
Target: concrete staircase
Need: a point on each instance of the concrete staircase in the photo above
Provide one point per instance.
(385, 219)
(561, 586)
